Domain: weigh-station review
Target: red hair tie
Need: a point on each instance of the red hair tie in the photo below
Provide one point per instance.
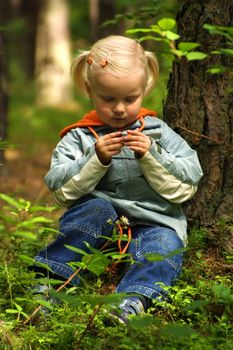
(103, 63)
(89, 60)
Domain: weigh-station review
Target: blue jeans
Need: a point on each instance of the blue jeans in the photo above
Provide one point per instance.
(87, 222)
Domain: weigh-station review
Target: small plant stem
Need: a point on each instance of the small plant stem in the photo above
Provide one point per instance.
(9, 283)
(88, 326)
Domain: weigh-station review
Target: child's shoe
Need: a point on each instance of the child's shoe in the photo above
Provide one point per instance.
(128, 307)
(42, 293)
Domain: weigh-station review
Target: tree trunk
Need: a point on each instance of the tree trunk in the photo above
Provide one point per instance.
(53, 54)
(3, 84)
(201, 102)
(99, 12)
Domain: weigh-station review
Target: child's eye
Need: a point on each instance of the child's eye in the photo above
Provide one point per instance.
(130, 99)
(107, 98)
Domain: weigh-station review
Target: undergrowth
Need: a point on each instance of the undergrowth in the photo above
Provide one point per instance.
(196, 314)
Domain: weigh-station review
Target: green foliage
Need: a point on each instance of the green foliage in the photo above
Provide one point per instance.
(164, 31)
(195, 315)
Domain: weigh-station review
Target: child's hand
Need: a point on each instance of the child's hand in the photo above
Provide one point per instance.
(109, 145)
(137, 142)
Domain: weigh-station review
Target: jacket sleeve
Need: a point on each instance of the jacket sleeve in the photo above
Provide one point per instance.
(74, 171)
(171, 167)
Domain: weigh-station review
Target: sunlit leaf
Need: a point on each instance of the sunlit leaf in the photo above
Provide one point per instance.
(172, 36)
(25, 234)
(192, 56)
(217, 70)
(26, 259)
(34, 221)
(10, 201)
(187, 46)
(166, 23)
(178, 53)
(37, 208)
(138, 30)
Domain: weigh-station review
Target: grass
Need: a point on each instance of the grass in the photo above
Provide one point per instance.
(197, 315)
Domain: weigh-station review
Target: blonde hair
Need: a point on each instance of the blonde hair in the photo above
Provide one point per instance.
(117, 55)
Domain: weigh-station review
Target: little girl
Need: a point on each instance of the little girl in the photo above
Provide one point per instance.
(120, 159)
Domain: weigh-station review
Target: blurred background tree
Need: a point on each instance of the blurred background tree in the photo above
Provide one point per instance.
(3, 83)
(53, 54)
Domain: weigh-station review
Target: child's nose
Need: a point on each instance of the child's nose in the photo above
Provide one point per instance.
(119, 107)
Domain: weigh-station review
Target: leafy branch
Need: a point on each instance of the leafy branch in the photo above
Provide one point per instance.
(164, 31)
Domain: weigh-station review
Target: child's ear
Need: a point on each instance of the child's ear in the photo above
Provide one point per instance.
(88, 89)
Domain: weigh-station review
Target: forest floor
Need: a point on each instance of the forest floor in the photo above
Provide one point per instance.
(23, 174)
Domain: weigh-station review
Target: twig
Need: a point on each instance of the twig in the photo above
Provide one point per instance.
(57, 290)
(205, 136)
(88, 326)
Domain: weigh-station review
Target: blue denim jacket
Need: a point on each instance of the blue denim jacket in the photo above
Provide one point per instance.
(148, 191)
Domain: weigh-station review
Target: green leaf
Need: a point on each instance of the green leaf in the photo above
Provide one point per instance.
(26, 235)
(177, 330)
(44, 303)
(2, 228)
(10, 201)
(220, 30)
(6, 144)
(196, 304)
(222, 292)
(217, 70)
(178, 53)
(77, 250)
(44, 209)
(154, 38)
(154, 257)
(160, 257)
(138, 30)
(176, 252)
(94, 299)
(31, 223)
(193, 56)
(142, 322)
(228, 52)
(26, 259)
(187, 46)
(166, 23)
(11, 311)
(96, 263)
(171, 36)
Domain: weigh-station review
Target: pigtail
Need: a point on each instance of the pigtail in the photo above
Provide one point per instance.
(153, 72)
(79, 71)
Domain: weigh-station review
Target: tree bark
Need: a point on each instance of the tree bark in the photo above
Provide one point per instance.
(99, 12)
(3, 83)
(53, 54)
(201, 102)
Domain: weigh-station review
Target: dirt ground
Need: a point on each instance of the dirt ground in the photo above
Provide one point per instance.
(22, 175)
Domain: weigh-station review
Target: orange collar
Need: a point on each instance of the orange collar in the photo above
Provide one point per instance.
(92, 119)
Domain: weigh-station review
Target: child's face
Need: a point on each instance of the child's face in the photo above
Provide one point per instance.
(117, 100)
